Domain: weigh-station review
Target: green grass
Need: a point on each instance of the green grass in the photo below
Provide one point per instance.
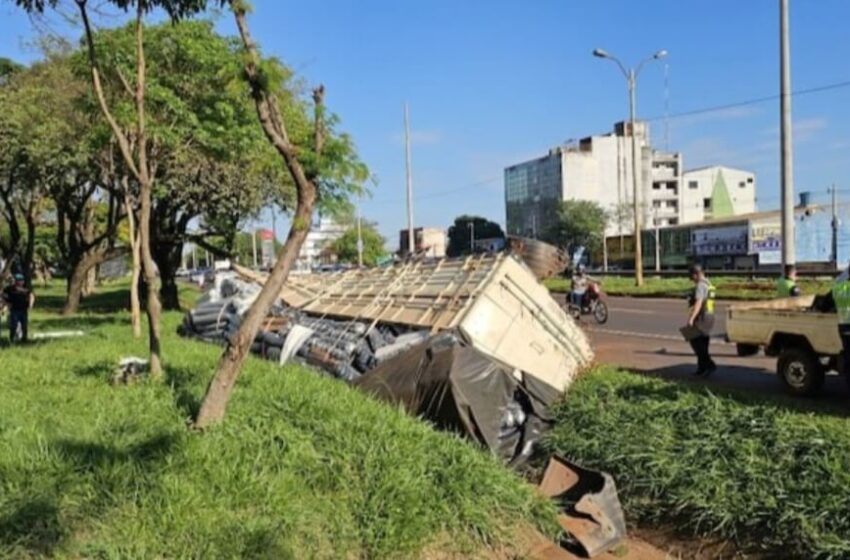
(303, 466)
(767, 477)
(728, 287)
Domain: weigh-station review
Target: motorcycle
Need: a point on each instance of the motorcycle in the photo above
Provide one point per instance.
(592, 303)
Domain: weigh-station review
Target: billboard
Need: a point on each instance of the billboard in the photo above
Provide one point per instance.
(729, 240)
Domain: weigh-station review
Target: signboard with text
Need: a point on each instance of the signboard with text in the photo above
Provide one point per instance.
(729, 240)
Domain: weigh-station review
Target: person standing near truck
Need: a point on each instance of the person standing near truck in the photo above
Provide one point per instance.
(841, 295)
(701, 317)
(786, 286)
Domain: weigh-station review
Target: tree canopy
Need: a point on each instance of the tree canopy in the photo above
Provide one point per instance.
(374, 245)
(463, 229)
(581, 223)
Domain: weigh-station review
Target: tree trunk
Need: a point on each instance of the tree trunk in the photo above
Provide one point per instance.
(221, 387)
(230, 364)
(81, 267)
(135, 250)
(29, 252)
(168, 261)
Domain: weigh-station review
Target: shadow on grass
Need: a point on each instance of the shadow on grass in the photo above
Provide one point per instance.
(748, 386)
(182, 380)
(107, 299)
(102, 369)
(33, 528)
(76, 322)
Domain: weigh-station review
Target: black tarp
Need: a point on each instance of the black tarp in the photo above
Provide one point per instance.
(461, 389)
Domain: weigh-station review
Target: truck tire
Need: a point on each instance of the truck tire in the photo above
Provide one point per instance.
(746, 350)
(800, 371)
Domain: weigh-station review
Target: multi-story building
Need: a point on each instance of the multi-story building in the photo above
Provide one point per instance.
(717, 192)
(599, 168)
(430, 242)
(323, 232)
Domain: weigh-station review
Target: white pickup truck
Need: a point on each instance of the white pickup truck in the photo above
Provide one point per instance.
(806, 341)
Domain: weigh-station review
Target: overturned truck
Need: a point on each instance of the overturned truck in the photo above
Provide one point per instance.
(475, 345)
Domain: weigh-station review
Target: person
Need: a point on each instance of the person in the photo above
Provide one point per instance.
(579, 286)
(20, 300)
(841, 296)
(701, 317)
(786, 286)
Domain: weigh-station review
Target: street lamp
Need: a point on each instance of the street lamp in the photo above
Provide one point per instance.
(631, 75)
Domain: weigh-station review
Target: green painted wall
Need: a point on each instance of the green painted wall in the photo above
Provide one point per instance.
(721, 202)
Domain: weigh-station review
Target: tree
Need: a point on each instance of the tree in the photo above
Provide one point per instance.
(581, 223)
(464, 227)
(345, 248)
(316, 172)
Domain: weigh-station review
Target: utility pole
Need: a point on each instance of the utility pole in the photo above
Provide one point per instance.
(631, 80)
(788, 248)
(834, 228)
(254, 245)
(666, 107)
(411, 241)
(359, 240)
(604, 252)
(657, 248)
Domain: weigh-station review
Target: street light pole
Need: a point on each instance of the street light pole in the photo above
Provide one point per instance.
(359, 240)
(631, 80)
(788, 248)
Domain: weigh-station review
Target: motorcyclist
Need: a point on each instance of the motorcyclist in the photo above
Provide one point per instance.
(580, 281)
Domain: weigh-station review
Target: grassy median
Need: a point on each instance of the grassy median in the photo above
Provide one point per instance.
(303, 467)
(769, 478)
(728, 287)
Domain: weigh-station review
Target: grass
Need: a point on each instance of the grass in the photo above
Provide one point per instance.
(303, 466)
(728, 287)
(772, 479)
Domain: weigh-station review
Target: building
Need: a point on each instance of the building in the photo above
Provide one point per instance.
(717, 192)
(430, 242)
(599, 168)
(323, 232)
(743, 242)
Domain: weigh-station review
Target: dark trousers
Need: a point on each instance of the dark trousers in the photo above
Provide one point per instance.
(700, 346)
(844, 333)
(18, 319)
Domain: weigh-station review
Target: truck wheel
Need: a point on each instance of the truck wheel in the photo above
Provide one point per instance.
(800, 371)
(746, 350)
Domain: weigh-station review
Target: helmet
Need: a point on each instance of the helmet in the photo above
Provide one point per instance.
(18, 277)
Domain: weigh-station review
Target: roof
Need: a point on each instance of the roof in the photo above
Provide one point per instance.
(706, 167)
(746, 217)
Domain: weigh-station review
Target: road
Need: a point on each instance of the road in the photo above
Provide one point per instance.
(642, 335)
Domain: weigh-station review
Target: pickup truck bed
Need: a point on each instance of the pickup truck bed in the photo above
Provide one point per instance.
(806, 341)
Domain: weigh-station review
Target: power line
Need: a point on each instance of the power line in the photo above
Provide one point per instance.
(748, 102)
(439, 193)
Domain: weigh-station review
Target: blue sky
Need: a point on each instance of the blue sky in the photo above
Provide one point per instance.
(490, 83)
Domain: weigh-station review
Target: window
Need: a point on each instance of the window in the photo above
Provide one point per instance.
(693, 184)
(673, 221)
(742, 185)
(656, 186)
(750, 180)
(656, 204)
(706, 203)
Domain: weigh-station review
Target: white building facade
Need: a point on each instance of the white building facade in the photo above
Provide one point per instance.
(599, 168)
(323, 232)
(717, 192)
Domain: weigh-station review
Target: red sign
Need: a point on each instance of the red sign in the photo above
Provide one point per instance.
(266, 234)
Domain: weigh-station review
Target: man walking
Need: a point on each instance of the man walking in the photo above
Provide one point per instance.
(19, 300)
(786, 286)
(579, 286)
(701, 318)
(841, 295)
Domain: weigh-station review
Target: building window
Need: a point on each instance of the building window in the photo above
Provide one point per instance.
(706, 203)
(673, 221)
(750, 180)
(693, 184)
(742, 185)
(656, 186)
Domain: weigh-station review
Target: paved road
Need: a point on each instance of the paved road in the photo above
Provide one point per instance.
(642, 335)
